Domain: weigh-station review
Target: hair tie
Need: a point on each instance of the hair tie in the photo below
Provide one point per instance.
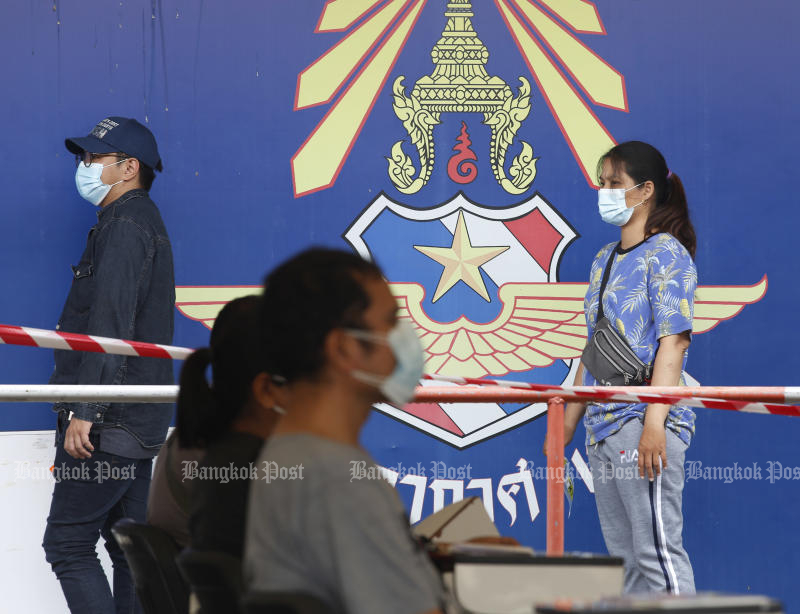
(669, 173)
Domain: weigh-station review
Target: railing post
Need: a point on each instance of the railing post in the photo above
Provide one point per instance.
(555, 477)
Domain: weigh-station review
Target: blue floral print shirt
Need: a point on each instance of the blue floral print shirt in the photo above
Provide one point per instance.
(649, 295)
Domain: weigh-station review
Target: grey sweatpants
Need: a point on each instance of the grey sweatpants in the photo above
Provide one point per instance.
(642, 521)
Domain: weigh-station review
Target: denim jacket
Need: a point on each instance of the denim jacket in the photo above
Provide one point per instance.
(123, 287)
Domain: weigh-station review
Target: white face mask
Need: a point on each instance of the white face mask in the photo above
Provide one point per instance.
(613, 206)
(89, 184)
(397, 387)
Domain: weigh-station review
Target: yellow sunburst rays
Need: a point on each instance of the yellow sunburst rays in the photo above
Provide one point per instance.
(600, 82)
(318, 161)
(461, 261)
(376, 33)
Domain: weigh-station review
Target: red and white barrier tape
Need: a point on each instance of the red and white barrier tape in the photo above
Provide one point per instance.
(762, 400)
(770, 394)
(773, 400)
(56, 340)
(776, 395)
(498, 394)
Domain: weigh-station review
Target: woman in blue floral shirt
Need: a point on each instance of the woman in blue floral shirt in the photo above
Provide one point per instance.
(636, 449)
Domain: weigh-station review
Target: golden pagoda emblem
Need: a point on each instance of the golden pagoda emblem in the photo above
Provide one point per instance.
(460, 83)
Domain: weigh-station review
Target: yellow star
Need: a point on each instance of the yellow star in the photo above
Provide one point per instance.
(461, 261)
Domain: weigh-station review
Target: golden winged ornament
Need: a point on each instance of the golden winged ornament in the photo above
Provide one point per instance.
(539, 323)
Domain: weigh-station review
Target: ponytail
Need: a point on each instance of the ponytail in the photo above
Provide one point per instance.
(197, 409)
(671, 214)
(206, 412)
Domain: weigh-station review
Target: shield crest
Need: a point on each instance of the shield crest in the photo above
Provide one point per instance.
(466, 275)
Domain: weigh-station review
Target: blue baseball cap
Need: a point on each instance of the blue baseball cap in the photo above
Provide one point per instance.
(119, 134)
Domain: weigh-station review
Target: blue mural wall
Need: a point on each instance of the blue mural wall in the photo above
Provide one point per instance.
(260, 163)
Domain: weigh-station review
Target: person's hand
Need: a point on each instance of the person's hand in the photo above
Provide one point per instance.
(652, 448)
(76, 439)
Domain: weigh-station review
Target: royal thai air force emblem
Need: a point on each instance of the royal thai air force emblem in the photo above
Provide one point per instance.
(480, 284)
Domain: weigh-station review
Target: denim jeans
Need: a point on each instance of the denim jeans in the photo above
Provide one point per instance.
(90, 495)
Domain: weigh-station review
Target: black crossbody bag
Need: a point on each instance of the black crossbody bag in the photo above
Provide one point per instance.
(607, 355)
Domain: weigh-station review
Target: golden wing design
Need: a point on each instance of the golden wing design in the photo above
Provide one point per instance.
(203, 303)
(714, 304)
(539, 324)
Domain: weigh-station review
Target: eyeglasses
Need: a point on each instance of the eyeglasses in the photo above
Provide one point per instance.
(88, 157)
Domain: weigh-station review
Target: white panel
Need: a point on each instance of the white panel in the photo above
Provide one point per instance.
(26, 486)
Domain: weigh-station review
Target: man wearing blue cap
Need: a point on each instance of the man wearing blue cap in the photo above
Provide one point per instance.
(122, 287)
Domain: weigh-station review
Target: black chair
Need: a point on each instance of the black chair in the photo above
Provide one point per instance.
(215, 579)
(150, 553)
(264, 602)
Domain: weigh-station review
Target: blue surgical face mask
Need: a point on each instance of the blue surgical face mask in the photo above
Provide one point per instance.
(613, 207)
(90, 186)
(397, 387)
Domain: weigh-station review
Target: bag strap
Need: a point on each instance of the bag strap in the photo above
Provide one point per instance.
(606, 275)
